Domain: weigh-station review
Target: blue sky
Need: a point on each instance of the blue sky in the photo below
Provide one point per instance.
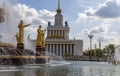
(98, 17)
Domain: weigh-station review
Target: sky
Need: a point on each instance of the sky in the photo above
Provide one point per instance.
(98, 17)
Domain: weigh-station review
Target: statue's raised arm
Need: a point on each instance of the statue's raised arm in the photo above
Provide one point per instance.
(27, 25)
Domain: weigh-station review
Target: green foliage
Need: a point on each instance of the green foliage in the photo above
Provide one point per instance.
(110, 48)
(100, 53)
(67, 55)
(94, 53)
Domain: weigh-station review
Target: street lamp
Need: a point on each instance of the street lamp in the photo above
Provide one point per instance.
(90, 36)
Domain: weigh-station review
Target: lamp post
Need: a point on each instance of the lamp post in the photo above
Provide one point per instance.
(90, 36)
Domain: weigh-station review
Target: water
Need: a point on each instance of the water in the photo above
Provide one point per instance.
(77, 68)
(117, 54)
(9, 26)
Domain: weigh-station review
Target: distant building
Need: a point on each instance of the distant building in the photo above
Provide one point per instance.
(57, 40)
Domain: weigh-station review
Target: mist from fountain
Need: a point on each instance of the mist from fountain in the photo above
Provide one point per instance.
(30, 44)
(56, 60)
(9, 26)
(117, 54)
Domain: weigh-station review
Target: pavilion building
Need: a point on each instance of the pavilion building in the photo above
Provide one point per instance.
(57, 40)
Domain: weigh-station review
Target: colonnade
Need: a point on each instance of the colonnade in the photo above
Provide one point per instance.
(60, 49)
(61, 33)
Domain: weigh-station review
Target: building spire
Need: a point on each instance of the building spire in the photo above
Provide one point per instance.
(58, 10)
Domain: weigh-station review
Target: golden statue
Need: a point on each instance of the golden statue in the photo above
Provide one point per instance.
(40, 37)
(20, 35)
(43, 40)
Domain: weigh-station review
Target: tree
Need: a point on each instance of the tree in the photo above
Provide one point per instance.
(109, 49)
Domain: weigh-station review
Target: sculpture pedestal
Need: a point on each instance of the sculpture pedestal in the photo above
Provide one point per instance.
(20, 46)
(41, 57)
(39, 49)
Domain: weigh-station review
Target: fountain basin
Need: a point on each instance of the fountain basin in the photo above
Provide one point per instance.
(12, 56)
(23, 60)
(42, 59)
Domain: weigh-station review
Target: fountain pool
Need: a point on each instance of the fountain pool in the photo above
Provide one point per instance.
(115, 57)
(76, 68)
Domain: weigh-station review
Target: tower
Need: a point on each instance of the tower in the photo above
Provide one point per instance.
(58, 30)
(99, 44)
(58, 17)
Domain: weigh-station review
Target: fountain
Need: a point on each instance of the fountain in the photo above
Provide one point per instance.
(10, 55)
(15, 55)
(115, 57)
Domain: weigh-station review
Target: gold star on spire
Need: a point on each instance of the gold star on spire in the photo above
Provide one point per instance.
(58, 10)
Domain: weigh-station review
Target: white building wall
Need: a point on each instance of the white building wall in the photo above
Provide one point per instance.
(78, 45)
(78, 48)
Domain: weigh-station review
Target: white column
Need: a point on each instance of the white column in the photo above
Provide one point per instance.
(67, 48)
(46, 48)
(71, 49)
(62, 33)
(58, 32)
(49, 34)
(57, 49)
(63, 49)
(68, 34)
(50, 48)
(53, 32)
(54, 48)
(60, 50)
(65, 33)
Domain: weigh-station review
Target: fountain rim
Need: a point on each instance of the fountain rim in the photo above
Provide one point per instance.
(23, 56)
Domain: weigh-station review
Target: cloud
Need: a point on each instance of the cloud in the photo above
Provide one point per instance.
(102, 29)
(33, 16)
(111, 38)
(109, 9)
(107, 38)
(86, 31)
